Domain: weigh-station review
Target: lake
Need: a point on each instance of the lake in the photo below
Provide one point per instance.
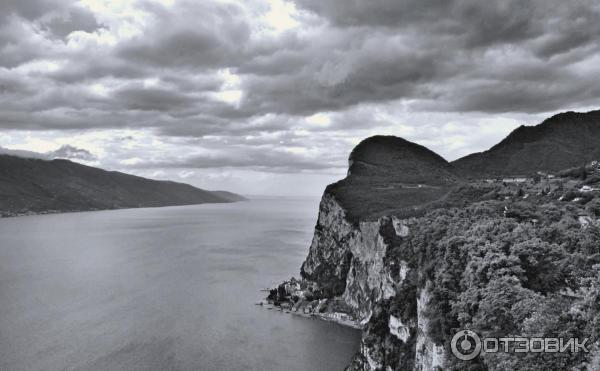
(169, 288)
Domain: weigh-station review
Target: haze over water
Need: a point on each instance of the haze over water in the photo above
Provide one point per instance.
(160, 289)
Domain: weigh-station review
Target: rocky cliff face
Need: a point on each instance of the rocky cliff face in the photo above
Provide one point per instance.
(347, 260)
(350, 257)
(415, 259)
(352, 262)
(329, 256)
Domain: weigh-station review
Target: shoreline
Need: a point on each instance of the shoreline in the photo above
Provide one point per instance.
(320, 316)
(7, 215)
(304, 298)
(48, 212)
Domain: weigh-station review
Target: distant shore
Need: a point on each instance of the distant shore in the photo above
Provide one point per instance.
(16, 214)
(44, 212)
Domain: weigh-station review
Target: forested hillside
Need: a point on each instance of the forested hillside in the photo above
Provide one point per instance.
(522, 261)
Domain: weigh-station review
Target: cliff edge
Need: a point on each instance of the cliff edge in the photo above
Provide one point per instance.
(414, 253)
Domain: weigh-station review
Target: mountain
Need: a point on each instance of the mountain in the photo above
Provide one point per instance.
(394, 158)
(565, 140)
(414, 249)
(386, 175)
(33, 185)
(387, 172)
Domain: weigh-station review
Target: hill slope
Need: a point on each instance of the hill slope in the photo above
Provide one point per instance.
(387, 173)
(33, 185)
(395, 158)
(564, 140)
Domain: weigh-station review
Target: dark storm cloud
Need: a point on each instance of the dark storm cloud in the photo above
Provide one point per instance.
(11, 85)
(70, 20)
(72, 119)
(479, 23)
(31, 10)
(369, 68)
(426, 50)
(560, 25)
(464, 34)
(16, 44)
(90, 68)
(19, 19)
(194, 35)
(375, 51)
(151, 99)
(525, 97)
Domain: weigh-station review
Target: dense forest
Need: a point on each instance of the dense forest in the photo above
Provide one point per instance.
(521, 260)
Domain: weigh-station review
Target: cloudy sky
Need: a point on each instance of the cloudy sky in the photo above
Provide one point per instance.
(269, 96)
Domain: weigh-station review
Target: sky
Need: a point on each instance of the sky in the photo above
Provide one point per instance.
(270, 96)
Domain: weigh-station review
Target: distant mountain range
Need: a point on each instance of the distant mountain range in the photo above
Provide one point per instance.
(390, 173)
(564, 140)
(30, 185)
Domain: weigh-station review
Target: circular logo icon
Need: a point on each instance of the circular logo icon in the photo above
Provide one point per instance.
(466, 345)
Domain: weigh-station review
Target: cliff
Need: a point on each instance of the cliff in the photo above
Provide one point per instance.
(349, 257)
(351, 261)
(414, 266)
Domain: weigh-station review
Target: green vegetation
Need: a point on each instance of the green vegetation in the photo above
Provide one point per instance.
(523, 260)
(30, 186)
(505, 243)
(362, 203)
(390, 175)
(562, 141)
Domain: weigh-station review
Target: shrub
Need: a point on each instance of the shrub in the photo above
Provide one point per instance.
(593, 208)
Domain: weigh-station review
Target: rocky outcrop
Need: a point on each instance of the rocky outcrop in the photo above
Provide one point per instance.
(352, 263)
(429, 356)
(358, 259)
(347, 260)
(329, 256)
(394, 239)
(369, 279)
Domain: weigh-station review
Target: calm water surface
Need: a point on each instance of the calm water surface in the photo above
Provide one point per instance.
(160, 289)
